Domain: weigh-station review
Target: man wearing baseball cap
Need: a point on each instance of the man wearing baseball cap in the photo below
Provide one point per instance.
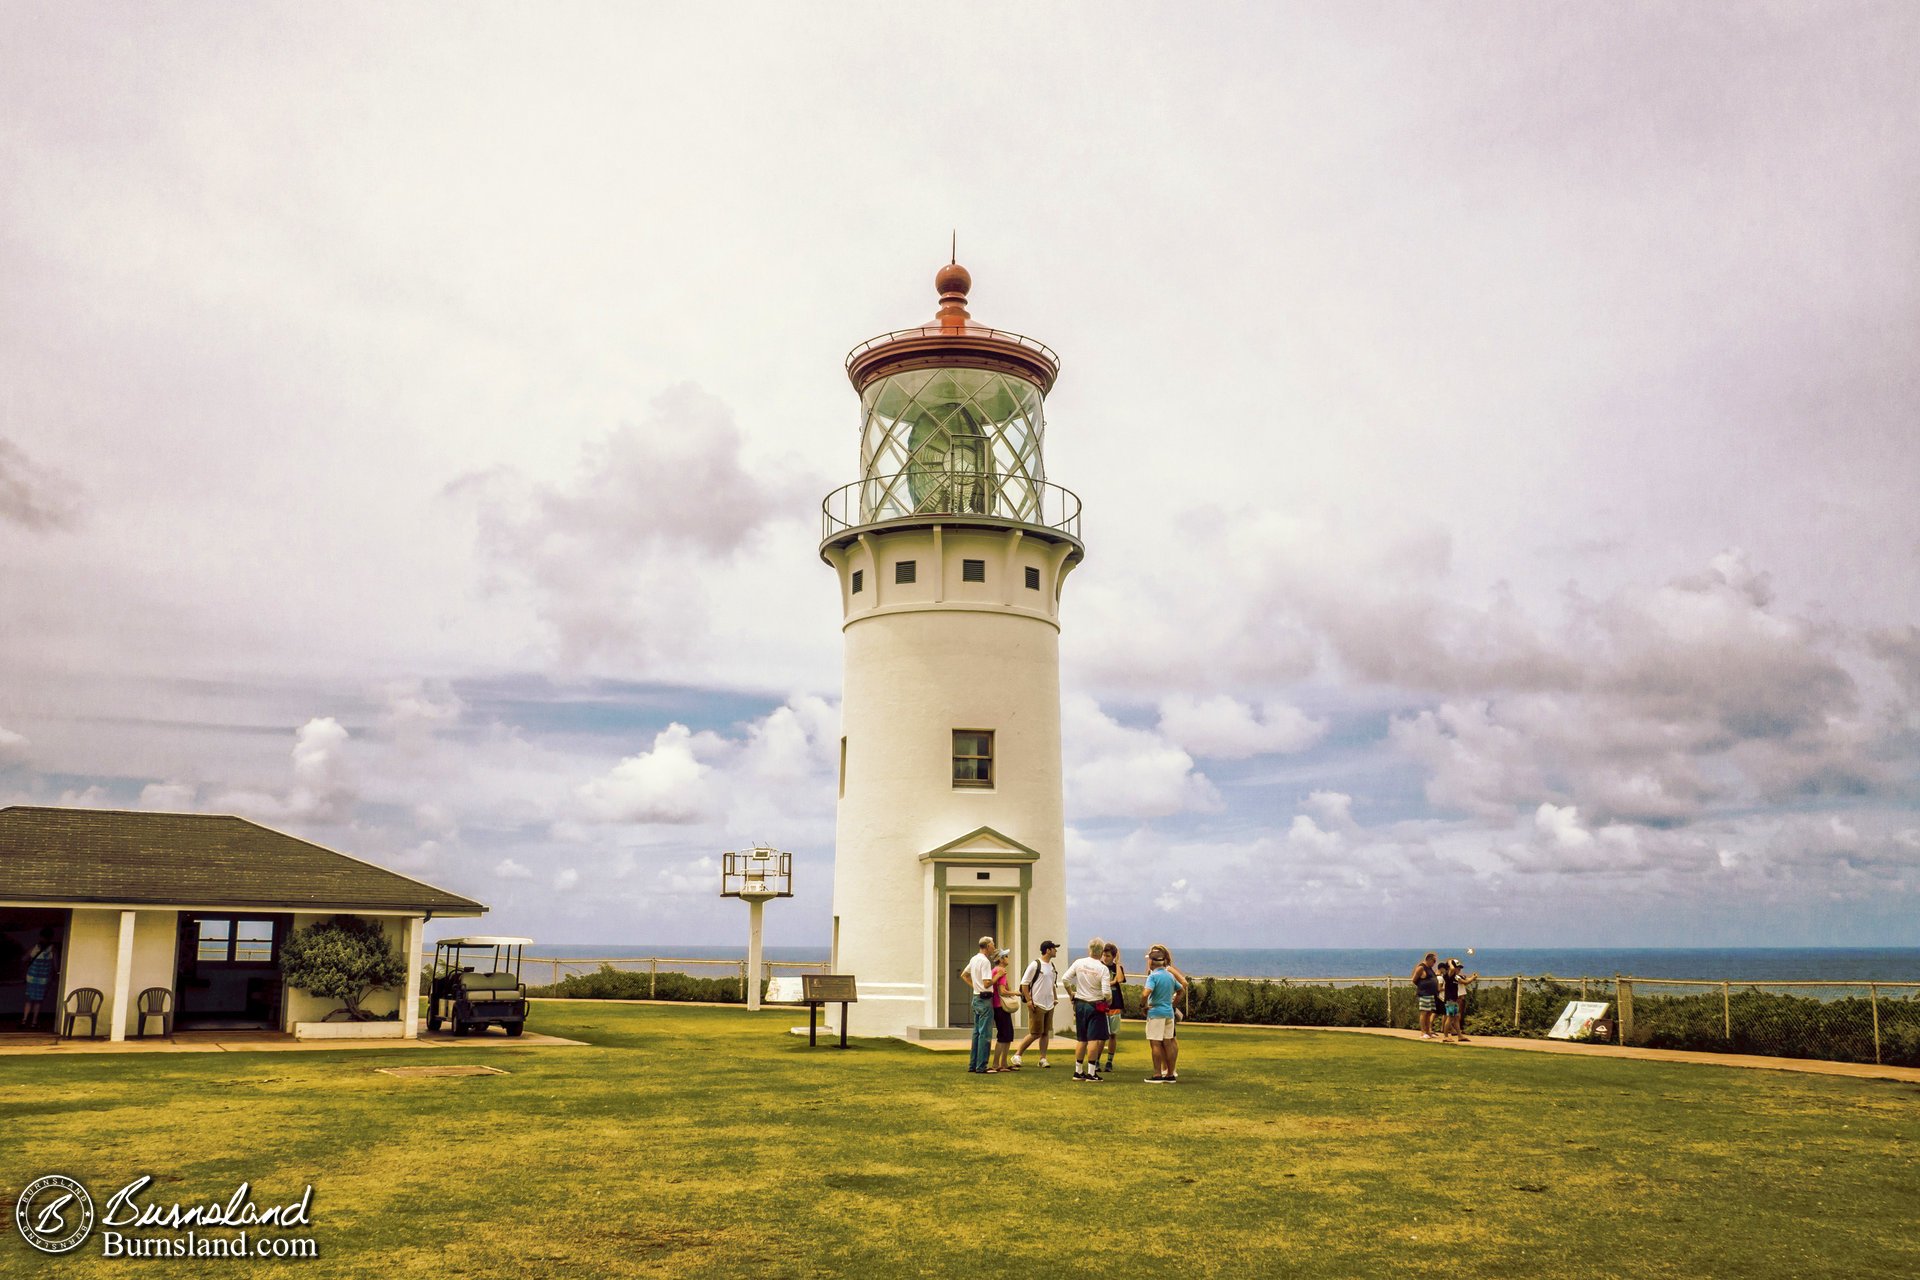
(1037, 988)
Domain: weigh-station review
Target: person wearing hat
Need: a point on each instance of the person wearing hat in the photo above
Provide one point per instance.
(1037, 989)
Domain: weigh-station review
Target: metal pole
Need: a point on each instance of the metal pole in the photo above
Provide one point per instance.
(1873, 998)
(1726, 1009)
(753, 964)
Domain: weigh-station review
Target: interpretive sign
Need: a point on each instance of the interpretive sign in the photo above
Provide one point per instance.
(1577, 1019)
(828, 988)
(784, 991)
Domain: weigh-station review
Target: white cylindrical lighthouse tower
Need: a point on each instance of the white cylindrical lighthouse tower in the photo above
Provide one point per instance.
(951, 550)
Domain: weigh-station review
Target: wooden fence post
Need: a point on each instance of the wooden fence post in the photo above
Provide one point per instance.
(1583, 988)
(743, 981)
(556, 973)
(1873, 998)
(1623, 988)
(1726, 1009)
(653, 976)
(1516, 1002)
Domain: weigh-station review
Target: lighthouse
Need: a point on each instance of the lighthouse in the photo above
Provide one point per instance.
(951, 551)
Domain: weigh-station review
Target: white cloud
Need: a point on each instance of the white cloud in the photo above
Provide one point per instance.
(13, 747)
(667, 784)
(508, 869)
(566, 880)
(1114, 770)
(1224, 728)
(167, 797)
(34, 497)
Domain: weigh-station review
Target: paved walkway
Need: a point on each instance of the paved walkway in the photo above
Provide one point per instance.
(15, 1044)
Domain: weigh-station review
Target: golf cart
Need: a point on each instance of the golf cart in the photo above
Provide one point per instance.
(476, 984)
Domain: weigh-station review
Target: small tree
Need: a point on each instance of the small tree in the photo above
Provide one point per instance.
(345, 959)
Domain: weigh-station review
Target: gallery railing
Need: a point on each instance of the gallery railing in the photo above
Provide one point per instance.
(913, 494)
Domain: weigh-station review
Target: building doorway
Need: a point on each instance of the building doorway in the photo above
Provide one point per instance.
(20, 932)
(228, 971)
(967, 923)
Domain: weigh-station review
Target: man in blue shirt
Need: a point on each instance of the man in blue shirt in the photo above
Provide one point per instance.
(1161, 986)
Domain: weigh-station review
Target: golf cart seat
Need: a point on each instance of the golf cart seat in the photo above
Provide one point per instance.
(491, 986)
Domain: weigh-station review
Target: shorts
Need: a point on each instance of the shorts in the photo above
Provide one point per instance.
(1453, 1008)
(1426, 1004)
(1003, 1025)
(1039, 1020)
(1113, 1023)
(1159, 1028)
(1088, 1023)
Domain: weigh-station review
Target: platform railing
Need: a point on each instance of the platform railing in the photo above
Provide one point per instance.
(938, 331)
(1010, 496)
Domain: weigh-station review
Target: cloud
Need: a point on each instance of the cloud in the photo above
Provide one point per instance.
(323, 789)
(1116, 771)
(624, 560)
(566, 880)
(167, 797)
(13, 748)
(1224, 728)
(667, 784)
(509, 869)
(32, 497)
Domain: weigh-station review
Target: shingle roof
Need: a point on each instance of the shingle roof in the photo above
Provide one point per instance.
(213, 860)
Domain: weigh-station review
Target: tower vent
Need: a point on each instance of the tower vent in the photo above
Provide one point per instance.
(973, 571)
(904, 571)
(860, 580)
(1033, 579)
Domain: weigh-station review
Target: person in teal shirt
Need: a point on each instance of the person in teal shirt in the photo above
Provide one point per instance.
(1161, 987)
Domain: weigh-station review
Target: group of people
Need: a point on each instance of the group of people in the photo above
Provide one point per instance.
(1439, 985)
(1095, 983)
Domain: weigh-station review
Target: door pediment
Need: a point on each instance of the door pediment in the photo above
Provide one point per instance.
(982, 845)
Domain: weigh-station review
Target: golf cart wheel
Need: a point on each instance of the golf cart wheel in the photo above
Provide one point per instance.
(433, 1022)
(514, 1028)
(459, 1027)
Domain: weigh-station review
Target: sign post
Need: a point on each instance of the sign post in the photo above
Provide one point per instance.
(828, 988)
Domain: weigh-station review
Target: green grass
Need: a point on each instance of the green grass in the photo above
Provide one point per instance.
(704, 1142)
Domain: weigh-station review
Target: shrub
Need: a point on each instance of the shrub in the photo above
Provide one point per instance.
(609, 983)
(345, 959)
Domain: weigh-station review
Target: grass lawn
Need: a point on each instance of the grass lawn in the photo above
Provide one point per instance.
(704, 1142)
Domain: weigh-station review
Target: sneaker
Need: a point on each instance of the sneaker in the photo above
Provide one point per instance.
(1045, 1063)
(1079, 1079)
(1014, 1062)
(1093, 1079)
(1174, 1078)
(1158, 1080)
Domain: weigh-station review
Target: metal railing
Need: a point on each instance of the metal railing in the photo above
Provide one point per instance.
(971, 331)
(555, 969)
(1013, 497)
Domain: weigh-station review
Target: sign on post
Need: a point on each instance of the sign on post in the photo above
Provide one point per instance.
(784, 990)
(828, 988)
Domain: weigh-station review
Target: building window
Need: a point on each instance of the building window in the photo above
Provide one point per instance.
(1033, 578)
(859, 580)
(230, 940)
(216, 938)
(972, 757)
(843, 768)
(903, 570)
(973, 571)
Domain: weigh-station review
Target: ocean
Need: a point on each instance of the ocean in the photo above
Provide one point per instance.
(1773, 964)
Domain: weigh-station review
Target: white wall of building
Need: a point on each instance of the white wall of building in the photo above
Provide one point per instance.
(93, 946)
(923, 660)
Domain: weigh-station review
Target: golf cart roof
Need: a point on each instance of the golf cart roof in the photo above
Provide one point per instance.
(485, 942)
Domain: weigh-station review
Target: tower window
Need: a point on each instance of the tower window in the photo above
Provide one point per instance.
(904, 570)
(973, 757)
(843, 768)
(973, 571)
(859, 580)
(1033, 579)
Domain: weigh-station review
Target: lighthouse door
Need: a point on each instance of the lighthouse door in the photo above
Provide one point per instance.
(967, 923)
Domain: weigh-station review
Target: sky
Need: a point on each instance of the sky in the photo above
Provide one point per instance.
(1496, 425)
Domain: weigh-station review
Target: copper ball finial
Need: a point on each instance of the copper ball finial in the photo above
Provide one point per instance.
(953, 281)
